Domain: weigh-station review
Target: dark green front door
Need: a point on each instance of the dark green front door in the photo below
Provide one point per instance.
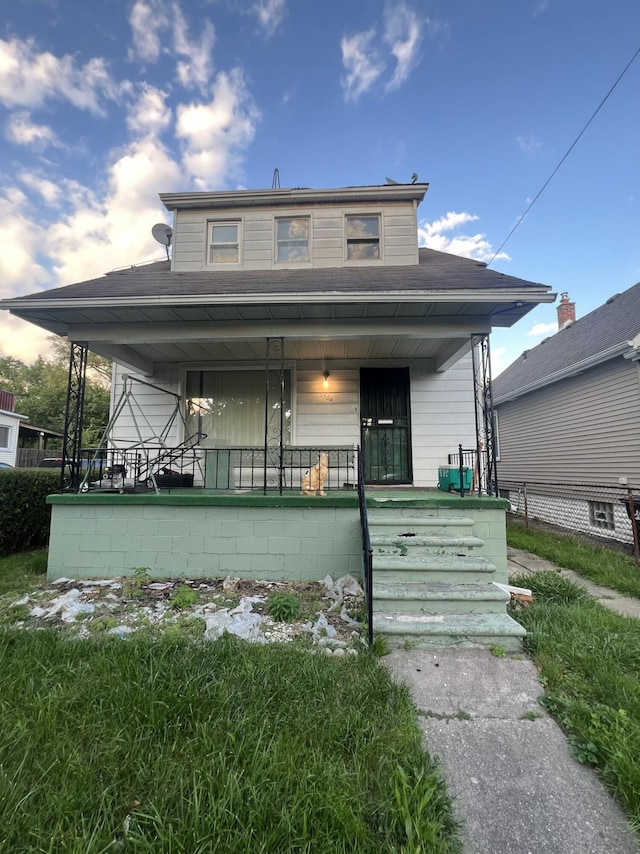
(384, 425)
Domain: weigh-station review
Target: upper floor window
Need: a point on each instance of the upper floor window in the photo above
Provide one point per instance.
(363, 237)
(224, 242)
(293, 239)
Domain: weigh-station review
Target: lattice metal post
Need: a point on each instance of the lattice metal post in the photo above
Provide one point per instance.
(274, 410)
(485, 432)
(71, 472)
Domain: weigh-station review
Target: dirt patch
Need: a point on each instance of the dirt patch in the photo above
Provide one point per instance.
(326, 614)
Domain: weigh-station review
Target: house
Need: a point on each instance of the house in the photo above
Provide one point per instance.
(9, 426)
(287, 323)
(568, 413)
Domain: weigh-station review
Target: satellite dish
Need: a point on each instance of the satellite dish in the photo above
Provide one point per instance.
(162, 233)
(390, 181)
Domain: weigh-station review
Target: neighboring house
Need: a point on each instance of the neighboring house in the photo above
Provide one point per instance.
(568, 412)
(9, 425)
(288, 322)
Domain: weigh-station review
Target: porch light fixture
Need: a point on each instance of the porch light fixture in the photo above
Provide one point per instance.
(325, 381)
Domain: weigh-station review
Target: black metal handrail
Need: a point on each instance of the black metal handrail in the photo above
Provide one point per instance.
(367, 551)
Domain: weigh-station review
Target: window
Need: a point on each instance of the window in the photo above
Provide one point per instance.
(292, 239)
(229, 406)
(363, 238)
(4, 437)
(224, 243)
(601, 515)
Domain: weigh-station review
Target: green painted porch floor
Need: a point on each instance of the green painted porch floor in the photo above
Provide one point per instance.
(376, 497)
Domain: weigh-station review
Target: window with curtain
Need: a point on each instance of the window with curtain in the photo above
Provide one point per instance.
(229, 406)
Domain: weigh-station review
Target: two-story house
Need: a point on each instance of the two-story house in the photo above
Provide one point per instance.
(289, 323)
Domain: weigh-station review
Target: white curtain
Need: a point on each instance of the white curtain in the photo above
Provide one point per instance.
(229, 406)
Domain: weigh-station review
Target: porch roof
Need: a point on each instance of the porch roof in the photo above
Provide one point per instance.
(141, 316)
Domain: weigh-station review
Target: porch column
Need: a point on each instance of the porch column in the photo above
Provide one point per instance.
(72, 441)
(274, 410)
(485, 421)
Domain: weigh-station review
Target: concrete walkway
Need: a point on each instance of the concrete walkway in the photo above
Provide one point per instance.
(517, 789)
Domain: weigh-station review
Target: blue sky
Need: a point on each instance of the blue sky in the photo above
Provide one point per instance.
(105, 104)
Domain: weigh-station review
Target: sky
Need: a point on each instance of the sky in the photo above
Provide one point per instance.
(105, 104)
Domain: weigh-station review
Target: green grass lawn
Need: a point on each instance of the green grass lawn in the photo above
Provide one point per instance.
(589, 658)
(20, 573)
(601, 565)
(169, 745)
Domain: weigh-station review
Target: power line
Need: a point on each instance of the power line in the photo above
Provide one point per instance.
(567, 153)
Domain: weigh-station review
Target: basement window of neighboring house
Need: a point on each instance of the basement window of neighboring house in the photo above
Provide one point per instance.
(224, 242)
(292, 238)
(230, 406)
(363, 237)
(601, 515)
(4, 437)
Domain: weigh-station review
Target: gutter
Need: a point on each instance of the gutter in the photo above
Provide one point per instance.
(457, 296)
(294, 196)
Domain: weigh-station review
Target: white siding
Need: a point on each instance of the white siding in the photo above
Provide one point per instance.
(11, 422)
(442, 411)
(327, 416)
(398, 226)
(584, 429)
(149, 408)
(442, 417)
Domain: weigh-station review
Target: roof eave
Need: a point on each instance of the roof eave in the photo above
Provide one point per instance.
(620, 349)
(295, 196)
(503, 295)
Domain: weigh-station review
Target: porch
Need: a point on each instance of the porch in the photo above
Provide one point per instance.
(435, 555)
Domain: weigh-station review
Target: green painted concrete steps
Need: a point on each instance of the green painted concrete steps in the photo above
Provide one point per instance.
(402, 544)
(439, 597)
(432, 586)
(434, 567)
(438, 630)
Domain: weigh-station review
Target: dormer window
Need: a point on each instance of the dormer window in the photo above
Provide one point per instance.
(363, 237)
(292, 238)
(224, 242)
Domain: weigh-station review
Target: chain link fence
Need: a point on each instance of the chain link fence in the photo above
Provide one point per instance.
(588, 510)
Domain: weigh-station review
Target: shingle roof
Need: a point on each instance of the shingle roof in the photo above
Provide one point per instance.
(607, 327)
(436, 271)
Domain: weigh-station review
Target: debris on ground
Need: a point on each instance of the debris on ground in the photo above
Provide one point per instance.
(330, 613)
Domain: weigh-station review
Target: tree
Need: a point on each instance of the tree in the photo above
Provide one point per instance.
(41, 391)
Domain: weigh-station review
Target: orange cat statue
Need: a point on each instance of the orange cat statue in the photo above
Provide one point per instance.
(313, 480)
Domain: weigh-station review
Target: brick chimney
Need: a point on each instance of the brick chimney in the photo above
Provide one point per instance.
(566, 311)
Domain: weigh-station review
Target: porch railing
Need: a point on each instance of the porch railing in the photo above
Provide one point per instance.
(306, 470)
(367, 551)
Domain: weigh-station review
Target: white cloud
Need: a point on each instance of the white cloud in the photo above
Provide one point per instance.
(147, 19)
(540, 329)
(152, 20)
(435, 235)
(403, 34)
(29, 78)
(529, 144)
(149, 115)
(45, 188)
(362, 63)
(22, 131)
(217, 133)
(499, 361)
(21, 240)
(111, 231)
(270, 14)
(196, 69)
(22, 340)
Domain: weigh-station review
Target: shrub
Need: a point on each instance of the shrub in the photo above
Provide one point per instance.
(25, 516)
